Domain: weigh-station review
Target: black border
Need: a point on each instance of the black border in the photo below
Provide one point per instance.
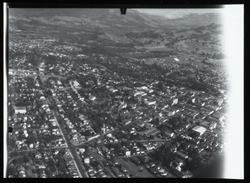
(125, 3)
(2, 90)
(135, 4)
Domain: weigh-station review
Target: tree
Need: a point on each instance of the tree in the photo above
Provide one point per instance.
(160, 86)
(26, 159)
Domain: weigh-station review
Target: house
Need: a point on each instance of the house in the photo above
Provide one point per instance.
(86, 160)
(76, 84)
(175, 101)
(128, 153)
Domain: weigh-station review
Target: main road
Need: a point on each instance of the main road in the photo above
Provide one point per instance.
(77, 161)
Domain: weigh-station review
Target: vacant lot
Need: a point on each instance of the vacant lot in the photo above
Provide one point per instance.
(134, 169)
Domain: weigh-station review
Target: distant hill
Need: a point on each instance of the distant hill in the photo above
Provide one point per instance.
(107, 28)
(112, 18)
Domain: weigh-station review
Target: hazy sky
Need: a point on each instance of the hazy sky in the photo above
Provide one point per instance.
(176, 13)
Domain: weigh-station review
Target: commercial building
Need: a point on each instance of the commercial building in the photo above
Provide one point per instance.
(20, 109)
(199, 130)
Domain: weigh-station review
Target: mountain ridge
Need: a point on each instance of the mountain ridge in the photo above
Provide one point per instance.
(112, 17)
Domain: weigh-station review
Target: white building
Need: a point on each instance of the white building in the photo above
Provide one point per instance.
(128, 153)
(20, 110)
(76, 84)
(86, 160)
(199, 129)
(175, 101)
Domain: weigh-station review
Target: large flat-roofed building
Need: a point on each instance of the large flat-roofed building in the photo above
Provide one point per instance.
(20, 109)
(199, 130)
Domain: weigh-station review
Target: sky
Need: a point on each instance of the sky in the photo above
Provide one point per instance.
(177, 13)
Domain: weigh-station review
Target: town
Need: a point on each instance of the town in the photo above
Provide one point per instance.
(81, 114)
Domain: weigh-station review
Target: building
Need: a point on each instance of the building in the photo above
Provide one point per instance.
(86, 160)
(128, 153)
(199, 130)
(150, 102)
(175, 101)
(11, 72)
(76, 84)
(128, 122)
(20, 109)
